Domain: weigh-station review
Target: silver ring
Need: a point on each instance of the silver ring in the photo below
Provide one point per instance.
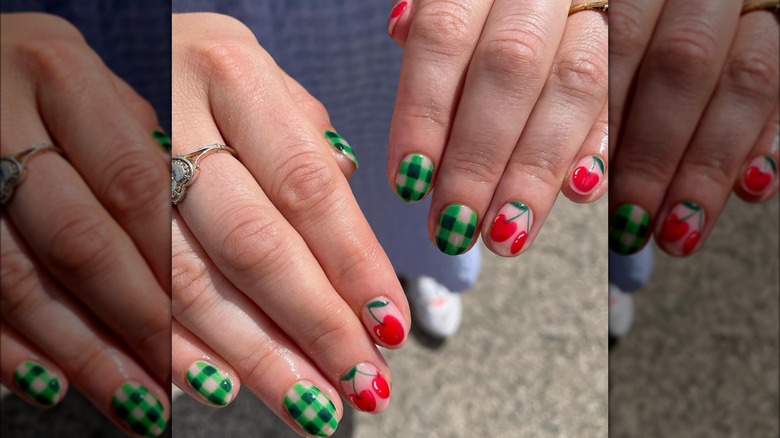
(13, 168)
(185, 168)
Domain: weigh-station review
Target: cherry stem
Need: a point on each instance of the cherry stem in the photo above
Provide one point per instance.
(511, 219)
(365, 374)
(688, 217)
(354, 388)
(375, 318)
(592, 166)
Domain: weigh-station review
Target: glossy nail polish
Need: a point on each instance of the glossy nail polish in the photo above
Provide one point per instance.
(455, 229)
(759, 175)
(38, 383)
(682, 228)
(162, 138)
(139, 409)
(383, 320)
(366, 388)
(510, 229)
(214, 386)
(311, 409)
(587, 174)
(629, 228)
(338, 142)
(395, 15)
(415, 174)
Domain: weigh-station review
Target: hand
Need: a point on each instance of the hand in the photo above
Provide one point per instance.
(502, 104)
(84, 283)
(694, 113)
(278, 281)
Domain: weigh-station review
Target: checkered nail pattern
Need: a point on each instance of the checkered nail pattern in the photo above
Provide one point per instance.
(162, 138)
(682, 228)
(311, 409)
(214, 386)
(455, 229)
(629, 227)
(414, 177)
(338, 142)
(38, 383)
(138, 409)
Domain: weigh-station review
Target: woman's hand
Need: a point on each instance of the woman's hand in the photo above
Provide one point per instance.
(501, 104)
(278, 280)
(694, 115)
(84, 280)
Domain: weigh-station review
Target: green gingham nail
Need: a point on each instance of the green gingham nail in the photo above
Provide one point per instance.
(210, 383)
(138, 409)
(43, 386)
(162, 138)
(338, 142)
(629, 227)
(455, 229)
(414, 177)
(311, 409)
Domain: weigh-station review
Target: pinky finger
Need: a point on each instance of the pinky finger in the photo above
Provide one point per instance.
(587, 178)
(199, 371)
(28, 372)
(758, 180)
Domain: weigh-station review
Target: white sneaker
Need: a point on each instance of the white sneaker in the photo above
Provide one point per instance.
(437, 311)
(621, 311)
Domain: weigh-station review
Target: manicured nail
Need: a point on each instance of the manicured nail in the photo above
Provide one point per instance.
(383, 320)
(163, 139)
(214, 386)
(395, 15)
(629, 228)
(682, 229)
(139, 409)
(338, 142)
(311, 409)
(414, 177)
(366, 388)
(759, 175)
(38, 383)
(455, 229)
(510, 228)
(587, 175)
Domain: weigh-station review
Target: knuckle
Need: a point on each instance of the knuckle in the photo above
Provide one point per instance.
(626, 21)
(714, 164)
(685, 57)
(154, 336)
(81, 241)
(189, 282)
(754, 73)
(306, 182)
(328, 333)
(649, 164)
(127, 190)
(514, 53)
(356, 263)
(87, 358)
(582, 74)
(430, 112)
(544, 164)
(55, 60)
(18, 283)
(232, 62)
(476, 164)
(254, 243)
(442, 27)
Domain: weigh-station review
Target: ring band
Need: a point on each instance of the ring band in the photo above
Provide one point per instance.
(13, 168)
(602, 6)
(772, 6)
(185, 168)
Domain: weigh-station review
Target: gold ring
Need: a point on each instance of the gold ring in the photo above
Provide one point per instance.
(185, 168)
(13, 168)
(602, 6)
(772, 6)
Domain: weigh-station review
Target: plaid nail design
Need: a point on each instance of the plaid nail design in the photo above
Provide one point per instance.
(162, 138)
(210, 383)
(629, 227)
(338, 142)
(311, 409)
(43, 386)
(414, 177)
(138, 409)
(455, 229)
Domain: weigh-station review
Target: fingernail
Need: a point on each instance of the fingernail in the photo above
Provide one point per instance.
(395, 15)
(139, 409)
(682, 229)
(163, 139)
(311, 409)
(587, 175)
(511, 228)
(759, 175)
(414, 177)
(366, 388)
(383, 320)
(38, 383)
(455, 229)
(338, 142)
(214, 386)
(629, 228)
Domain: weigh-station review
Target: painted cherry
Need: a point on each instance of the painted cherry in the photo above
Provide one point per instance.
(380, 386)
(390, 331)
(674, 229)
(502, 229)
(690, 243)
(365, 401)
(584, 180)
(517, 245)
(756, 180)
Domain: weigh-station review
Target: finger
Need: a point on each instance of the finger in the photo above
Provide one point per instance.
(93, 361)
(675, 83)
(742, 103)
(399, 21)
(28, 372)
(199, 371)
(758, 180)
(442, 38)
(588, 177)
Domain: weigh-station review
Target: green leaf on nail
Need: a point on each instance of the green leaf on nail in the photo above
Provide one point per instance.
(771, 163)
(599, 162)
(692, 205)
(519, 205)
(375, 304)
(350, 374)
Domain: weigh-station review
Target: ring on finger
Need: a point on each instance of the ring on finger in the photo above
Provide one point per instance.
(185, 168)
(761, 6)
(602, 6)
(13, 167)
